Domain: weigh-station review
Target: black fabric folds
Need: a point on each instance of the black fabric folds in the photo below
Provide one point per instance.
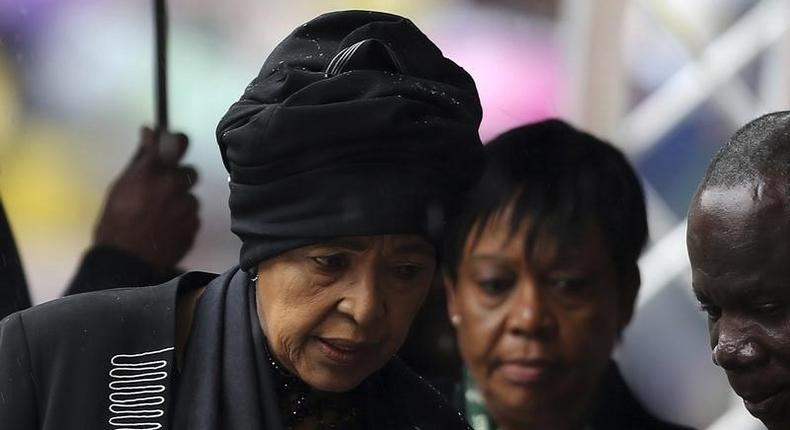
(221, 386)
(356, 125)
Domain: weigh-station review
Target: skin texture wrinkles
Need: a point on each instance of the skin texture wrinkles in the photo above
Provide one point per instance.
(739, 246)
(335, 312)
(536, 334)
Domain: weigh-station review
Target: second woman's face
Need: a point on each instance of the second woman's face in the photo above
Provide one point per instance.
(335, 312)
(536, 334)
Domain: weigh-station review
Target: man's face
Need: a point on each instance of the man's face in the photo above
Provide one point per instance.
(335, 312)
(739, 247)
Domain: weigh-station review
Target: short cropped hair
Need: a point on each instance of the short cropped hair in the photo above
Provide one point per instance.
(561, 180)
(761, 147)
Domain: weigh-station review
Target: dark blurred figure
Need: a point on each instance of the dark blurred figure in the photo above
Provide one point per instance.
(147, 225)
(739, 245)
(541, 280)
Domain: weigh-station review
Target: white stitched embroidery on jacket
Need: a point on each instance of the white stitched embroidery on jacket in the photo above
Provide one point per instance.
(136, 390)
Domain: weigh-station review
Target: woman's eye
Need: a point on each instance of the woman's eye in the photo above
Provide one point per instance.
(331, 263)
(714, 312)
(494, 286)
(569, 285)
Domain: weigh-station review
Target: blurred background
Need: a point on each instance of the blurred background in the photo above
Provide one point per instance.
(666, 80)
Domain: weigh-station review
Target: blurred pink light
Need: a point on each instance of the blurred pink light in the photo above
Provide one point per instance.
(518, 80)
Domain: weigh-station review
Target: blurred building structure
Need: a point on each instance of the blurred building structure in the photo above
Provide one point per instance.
(666, 80)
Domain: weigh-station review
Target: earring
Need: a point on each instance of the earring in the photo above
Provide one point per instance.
(455, 320)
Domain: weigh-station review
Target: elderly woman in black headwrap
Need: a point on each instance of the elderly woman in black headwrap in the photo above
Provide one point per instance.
(344, 155)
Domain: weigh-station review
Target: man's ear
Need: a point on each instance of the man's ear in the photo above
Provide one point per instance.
(449, 289)
(627, 292)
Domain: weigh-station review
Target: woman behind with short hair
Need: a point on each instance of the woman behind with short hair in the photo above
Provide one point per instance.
(541, 279)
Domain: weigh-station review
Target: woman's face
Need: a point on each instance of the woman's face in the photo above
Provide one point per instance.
(536, 334)
(335, 312)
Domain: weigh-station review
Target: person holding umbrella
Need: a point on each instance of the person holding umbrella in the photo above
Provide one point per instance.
(149, 218)
(345, 155)
(147, 225)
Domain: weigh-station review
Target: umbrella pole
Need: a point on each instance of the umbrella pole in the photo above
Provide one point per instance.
(160, 18)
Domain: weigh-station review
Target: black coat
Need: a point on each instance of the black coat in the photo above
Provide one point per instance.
(70, 364)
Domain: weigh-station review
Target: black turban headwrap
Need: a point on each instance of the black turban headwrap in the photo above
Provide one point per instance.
(356, 125)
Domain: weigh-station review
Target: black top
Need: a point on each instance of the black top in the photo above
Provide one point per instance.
(84, 361)
(617, 408)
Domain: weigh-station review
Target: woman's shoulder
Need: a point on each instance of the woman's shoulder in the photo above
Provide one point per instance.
(75, 353)
(99, 304)
(104, 316)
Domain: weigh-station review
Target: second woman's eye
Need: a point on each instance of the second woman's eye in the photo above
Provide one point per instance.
(569, 285)
(331, 263)
(495, 286)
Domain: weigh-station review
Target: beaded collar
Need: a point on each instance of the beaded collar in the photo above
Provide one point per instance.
(298, 401)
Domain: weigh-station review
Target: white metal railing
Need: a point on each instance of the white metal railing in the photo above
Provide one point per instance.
(598, 84)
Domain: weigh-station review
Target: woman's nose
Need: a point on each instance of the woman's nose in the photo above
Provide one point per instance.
(531, 315)
(363, 300)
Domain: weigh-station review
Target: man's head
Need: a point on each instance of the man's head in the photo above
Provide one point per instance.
(739, 246)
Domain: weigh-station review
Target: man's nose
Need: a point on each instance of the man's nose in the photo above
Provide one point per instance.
(737, 349)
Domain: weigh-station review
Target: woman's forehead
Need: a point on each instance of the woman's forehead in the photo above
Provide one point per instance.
(499, 235)
(390, 243)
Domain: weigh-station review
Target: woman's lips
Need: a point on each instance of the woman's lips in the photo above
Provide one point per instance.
(527, 372)
(343, 351)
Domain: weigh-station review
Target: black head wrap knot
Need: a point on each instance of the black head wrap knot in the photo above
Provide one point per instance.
(356, 125)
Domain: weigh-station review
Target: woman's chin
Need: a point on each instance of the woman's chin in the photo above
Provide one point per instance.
(332, 382)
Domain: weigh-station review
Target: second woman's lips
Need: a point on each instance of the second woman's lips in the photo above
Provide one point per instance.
(524, 372)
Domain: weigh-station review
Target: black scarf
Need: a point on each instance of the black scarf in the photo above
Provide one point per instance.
(228, 383)
(223, 385)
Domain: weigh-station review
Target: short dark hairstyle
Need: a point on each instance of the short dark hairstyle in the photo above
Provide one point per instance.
(562, 180)
(761, 147)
